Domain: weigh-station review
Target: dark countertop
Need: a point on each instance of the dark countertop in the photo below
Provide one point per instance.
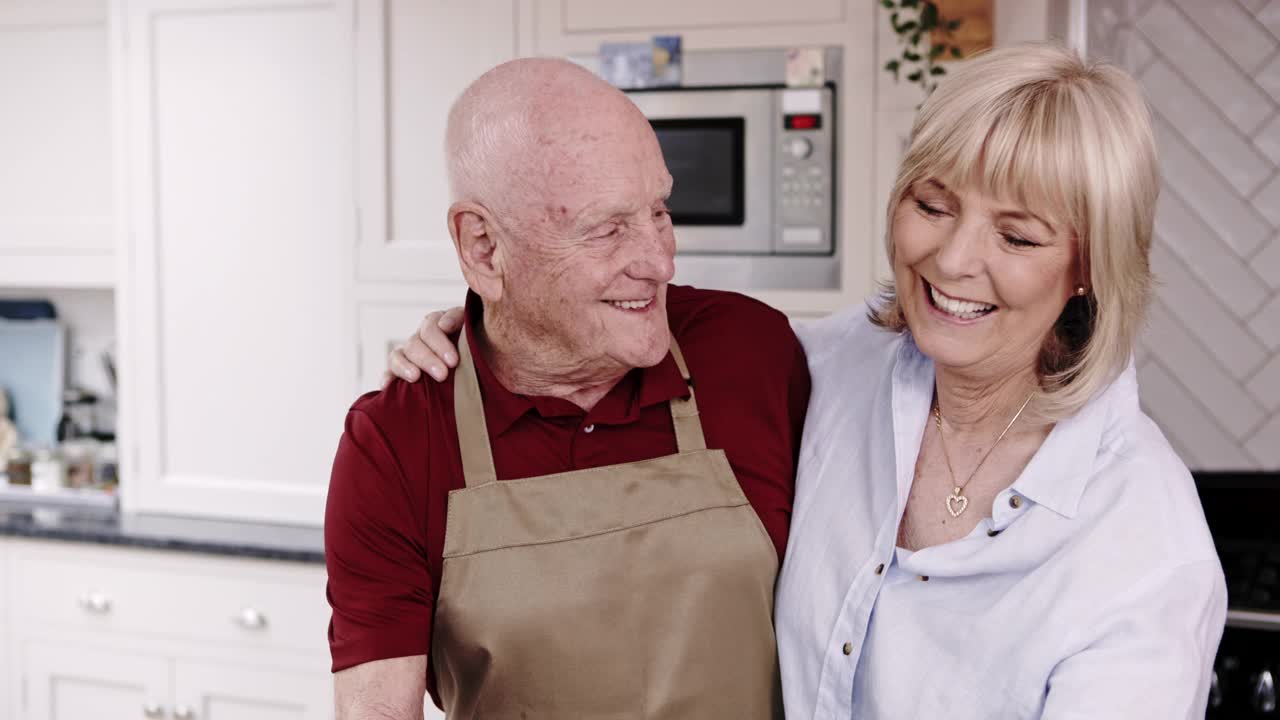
(164, 532)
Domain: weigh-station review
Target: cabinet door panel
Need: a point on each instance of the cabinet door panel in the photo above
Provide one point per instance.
(236, 312)
(256, 606)
(604, 15)
(69, 682)
(384, 326)
(414, 59)
(55, 137)
(228, 692)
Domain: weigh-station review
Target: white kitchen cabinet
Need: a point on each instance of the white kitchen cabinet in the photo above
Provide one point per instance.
(223, 691)
(385, 325)
(77, 681)
(222, 601)
(235, 313)
(614, 15)
(7, 658)
(107, 632)
(56, 184)
(73, 681)
(413, 59)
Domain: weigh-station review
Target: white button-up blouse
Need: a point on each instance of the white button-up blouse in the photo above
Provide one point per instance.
(1092, 591)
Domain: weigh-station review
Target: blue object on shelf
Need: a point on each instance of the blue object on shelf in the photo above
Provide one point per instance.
(27, 310)
(32, 357)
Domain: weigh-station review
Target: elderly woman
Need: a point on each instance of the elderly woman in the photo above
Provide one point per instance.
(986, 525)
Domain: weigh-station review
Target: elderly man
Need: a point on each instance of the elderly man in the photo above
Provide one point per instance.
(564, 527)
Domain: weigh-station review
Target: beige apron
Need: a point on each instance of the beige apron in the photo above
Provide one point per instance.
(642, 590)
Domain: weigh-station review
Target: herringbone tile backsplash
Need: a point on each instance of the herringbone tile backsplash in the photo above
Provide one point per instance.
(1209, 362)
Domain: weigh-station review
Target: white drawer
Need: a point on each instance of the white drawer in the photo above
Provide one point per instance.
(251, 603)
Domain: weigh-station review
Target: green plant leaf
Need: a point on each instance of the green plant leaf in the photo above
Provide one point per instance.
(908, 26)
(915, 38)
(953, 24)
(955, 52)
(916, 76)
(929, 16)
(887, 3)
(912, 57)
(910, 3)
(892, 66)
(937, 70)
(936, 50)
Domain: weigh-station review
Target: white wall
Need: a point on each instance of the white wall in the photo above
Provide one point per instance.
(1210, 361)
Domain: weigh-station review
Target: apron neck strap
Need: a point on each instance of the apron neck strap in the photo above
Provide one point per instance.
(684, 411)
(468, 410)
(473, 432)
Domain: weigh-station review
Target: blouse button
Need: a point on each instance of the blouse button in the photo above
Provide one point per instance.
(924, 578)
(848, 648)
(880, 569)
(1015, 501)
(589, 428)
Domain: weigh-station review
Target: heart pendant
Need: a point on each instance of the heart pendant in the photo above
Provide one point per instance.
(956, 504)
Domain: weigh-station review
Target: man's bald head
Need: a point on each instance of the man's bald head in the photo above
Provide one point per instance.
(510, 128)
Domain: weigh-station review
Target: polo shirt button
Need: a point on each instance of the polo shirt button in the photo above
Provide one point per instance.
(880, 569)
(589, 428)
(1015, 502)
(848, 648)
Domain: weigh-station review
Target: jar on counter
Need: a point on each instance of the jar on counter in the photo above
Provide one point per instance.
(106, 467)
(19, 466)
(79, 456)
(48, 471)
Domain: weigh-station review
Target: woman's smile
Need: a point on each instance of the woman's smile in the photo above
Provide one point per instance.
(952, 309)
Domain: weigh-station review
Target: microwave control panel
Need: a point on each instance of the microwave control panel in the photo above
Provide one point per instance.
(804, 159)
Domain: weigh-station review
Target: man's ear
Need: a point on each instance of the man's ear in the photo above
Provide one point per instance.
(479, 254)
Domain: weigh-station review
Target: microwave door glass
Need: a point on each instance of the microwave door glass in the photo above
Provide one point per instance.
(705, 158)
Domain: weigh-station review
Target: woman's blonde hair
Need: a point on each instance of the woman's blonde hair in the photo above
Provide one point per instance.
(1069, 138)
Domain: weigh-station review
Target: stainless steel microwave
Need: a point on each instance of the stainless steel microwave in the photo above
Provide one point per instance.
(755, 162)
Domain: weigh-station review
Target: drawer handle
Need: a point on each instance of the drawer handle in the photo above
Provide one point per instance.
(251, 619)
(182, 712)
(152, 710)
(96, 603)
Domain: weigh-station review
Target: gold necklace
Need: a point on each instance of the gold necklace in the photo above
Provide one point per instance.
(956, 501)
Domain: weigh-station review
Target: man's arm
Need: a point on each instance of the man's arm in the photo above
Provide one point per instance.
(379, 582)
(382, 690)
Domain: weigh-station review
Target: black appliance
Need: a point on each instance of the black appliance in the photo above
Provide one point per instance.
(1243, 510)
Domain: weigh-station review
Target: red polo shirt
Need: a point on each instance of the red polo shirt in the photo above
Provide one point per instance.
(399, 458)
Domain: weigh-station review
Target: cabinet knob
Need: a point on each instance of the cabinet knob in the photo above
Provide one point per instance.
(152, 710)
(1264, 693)
(182, 712)
(96, 603)
(250, 619)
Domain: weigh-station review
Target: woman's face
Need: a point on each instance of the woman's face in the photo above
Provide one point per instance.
(981, 280)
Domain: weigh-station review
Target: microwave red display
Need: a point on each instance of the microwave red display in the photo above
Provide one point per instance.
(802, 122)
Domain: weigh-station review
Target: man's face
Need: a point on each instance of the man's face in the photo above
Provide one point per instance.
(589, 263)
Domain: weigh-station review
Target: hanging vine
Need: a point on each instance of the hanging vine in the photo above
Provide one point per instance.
(914, 21)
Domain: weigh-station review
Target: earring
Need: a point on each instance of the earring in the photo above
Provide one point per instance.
(1081, 291)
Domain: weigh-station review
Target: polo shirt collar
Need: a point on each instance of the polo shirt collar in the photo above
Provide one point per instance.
(638, 389)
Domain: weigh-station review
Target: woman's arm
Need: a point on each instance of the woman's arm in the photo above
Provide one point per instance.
(429, 349)
(1151, 655)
